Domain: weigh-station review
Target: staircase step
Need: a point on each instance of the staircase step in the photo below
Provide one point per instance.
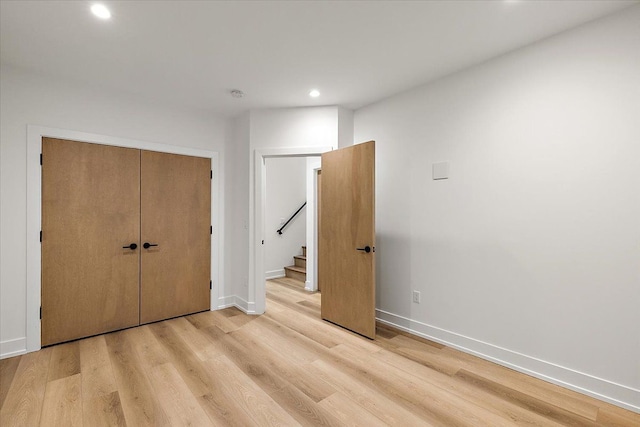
(295, 272)
(300, 261)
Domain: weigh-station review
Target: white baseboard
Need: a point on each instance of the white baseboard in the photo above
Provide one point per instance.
(608, 391)
(226, 302)
(236, 301)
(308, 286)
(274, 274)
(13, 347)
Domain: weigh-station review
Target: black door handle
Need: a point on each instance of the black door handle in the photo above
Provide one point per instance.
(367, 249)
(132, 246)
(147, 245)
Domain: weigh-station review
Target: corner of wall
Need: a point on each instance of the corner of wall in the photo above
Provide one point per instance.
(345, 127)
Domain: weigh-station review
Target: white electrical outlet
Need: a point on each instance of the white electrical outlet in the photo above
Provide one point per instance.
(416, 297)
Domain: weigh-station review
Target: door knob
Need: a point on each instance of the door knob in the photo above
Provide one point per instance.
(367, 249)
(147, 245)
(132, 246)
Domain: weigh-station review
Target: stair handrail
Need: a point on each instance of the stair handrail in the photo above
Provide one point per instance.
(290, 218)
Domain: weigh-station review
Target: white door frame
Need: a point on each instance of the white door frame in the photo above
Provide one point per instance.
(311, 283)
(257, 291)
(34, 211)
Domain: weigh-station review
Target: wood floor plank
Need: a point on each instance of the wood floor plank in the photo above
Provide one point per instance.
(349, 412)
(184, 360)
(202, 382)
(529, 402)
(62, 404)
(296, 374)
(290, 348)
(318, 330)
(430, 403)
(550, 393)
(379, 405)
(230, 312)
(65, 361)
(8, 369)
(431, 378)
(251, 398)
(293, 284)
(223, 322)
(197, 342)
(147, 346)
(613, 416)
(302, 408)
(137, 395)
(302, 326)
(104, 410)
(180, 405)
(430, 358)
(95, 366)
(389, 332)
(23, 404)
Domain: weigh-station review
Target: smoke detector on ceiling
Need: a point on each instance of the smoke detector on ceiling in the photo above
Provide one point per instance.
(236, 93)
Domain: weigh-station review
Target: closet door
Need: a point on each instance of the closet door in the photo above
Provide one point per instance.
(90, 218)
(175, 219)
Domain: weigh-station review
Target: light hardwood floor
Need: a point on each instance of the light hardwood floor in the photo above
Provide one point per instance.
(286, 367)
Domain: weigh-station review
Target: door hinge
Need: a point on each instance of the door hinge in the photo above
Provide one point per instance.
(210, 284)
(263, 242)
(40, 236)
(40, 159)
(211, 174)
(40, 312)
(211, 229)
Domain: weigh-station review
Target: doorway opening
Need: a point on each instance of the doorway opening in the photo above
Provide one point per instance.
(261, 232)
(289, 220)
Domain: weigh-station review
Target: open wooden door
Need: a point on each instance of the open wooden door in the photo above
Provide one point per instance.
(175, 237)
(346, 243)
(90, 238)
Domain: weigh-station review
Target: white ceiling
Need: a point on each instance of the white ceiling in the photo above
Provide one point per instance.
(193, 53)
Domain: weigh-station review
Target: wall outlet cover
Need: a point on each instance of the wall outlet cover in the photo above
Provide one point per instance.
(416, 297)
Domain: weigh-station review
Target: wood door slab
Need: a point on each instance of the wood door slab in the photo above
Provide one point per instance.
(90, 210)
(175, 215)
(346, 275)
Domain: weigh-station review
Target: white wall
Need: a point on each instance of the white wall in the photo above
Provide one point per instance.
(237, 216)
(530, 252)
(261, 130)
(286, 192)
(345, 127)
(296, 128)
(40, 100)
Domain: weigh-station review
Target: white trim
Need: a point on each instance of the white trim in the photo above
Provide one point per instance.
(274, 274)
(34, 199)
(247, 307)
(226, 302)
(256, 285)
(14, 347)
(608, 391)
(237, 302)
(311, 284)
(308, 286)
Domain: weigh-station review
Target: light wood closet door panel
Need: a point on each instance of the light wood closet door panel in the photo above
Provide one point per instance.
(90, 210)
(346, 275)
(175, 215)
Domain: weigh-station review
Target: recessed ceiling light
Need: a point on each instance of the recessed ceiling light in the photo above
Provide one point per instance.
(100, 11)
(237, 93)
(314, 93)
